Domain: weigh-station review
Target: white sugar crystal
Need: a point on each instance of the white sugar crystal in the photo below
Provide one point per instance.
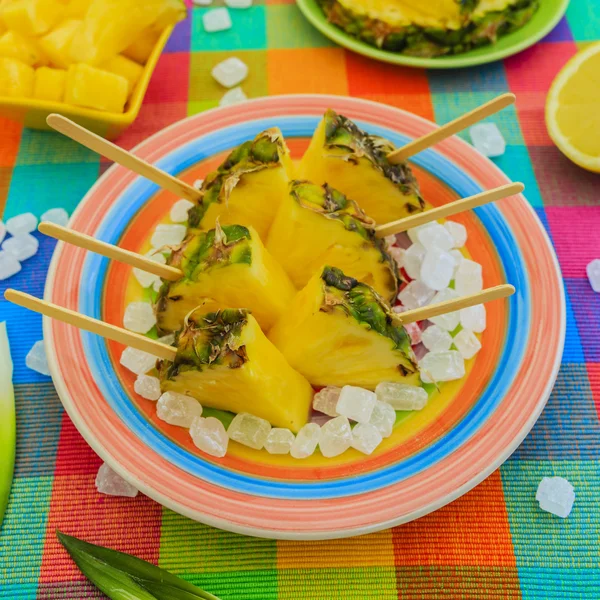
(457, 256)
(487, 139)
(401, 396)
(249, 430)
(556, 495)
(202, 2)
(136, 361)
(168, 339)
(336, 437)
(9, 265)
(238, 3)
(458, 232)
(437, 269)
(365, 438)
(449, 321)
(468, 278)
(59, 216)
(416, 294)
(209, 435)
(2, 231)
(399, 309)
(24, 223)
(326, 400)
(168, 235)
(217, 19)
(434, 235)
(198, 184)
(413, 233)
(157, 285)
(139, 317)
(383, 418)
(442, 366)
(178, 409)
(147, 387)
(279, 441)
(21, 246)
(179, 210)
(414, 333)
(473, 318)
(147, 279)
(306, 441)
(356, 403)
(413, 258)
(436, 339)
(398, 255)
(36, 359)
(110, 483)
(467, 343)
(592, 269)
(230, 72)
(233, 96)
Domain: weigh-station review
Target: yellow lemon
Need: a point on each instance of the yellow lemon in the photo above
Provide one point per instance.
(573, 109)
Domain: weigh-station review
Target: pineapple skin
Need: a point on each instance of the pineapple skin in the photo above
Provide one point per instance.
(231, 267)
(476, 28)
(355, 163)
(248, 187)
(317, 226)
(225, 361)
(338, 331)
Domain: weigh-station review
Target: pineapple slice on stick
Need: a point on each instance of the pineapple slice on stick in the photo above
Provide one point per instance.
(225, 361)
(338, 331)
(316, 226)
(355, 163)
(229, 265)
(248, 187)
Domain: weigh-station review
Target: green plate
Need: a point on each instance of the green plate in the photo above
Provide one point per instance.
(544, 20)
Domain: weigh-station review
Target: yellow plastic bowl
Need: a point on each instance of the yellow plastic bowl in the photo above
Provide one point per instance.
(32, 113)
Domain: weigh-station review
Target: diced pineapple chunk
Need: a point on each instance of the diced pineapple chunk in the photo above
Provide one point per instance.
(49, 84)
(14, 45)
(16, 78)
(57, 43)
(119, 65)
(95, 88)
(142, 47)
(31, 17)
(76, 9)
(173, 12)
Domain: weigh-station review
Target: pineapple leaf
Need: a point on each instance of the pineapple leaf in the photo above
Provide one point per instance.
(124, 577)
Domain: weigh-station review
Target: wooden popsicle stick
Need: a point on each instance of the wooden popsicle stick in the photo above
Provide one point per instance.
(441, 308)
(462, 122)
(106, 330)
(451, 208)
(113, 252)
(123, 157)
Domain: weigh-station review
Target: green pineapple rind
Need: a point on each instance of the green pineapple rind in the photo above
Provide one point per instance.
(366, 306)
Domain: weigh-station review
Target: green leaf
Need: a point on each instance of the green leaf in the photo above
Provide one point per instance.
(124, 577)
(7, 421)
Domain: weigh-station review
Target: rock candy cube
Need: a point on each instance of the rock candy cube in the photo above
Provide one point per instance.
(16, 78)
(94, 88)
(49, 84)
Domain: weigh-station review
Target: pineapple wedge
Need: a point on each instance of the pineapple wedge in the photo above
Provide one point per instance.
(56, 44)
(94, 88)
(248, 187)
(355, 163)
(225, 361)
(338, 331)
(230, 266)
(31, 17)
(49, 84)
(16, 78)
(14, 45)
(317, 226)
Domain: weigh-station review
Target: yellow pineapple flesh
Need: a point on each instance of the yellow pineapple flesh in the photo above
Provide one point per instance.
(93, 88)
(49, 84)
(16, 78)
(121, 65)
(317, 226)
(248, 187)
(338, 331)
(229, 266)
(31, 17)
(14, 45)
(355, 163)
(56, 44)
(225, 361)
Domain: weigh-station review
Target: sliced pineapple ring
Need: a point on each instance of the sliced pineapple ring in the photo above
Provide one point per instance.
(225, 361)
(355, 163)
(229, 265)
(338, 331)
(317, 226)
(248, 187)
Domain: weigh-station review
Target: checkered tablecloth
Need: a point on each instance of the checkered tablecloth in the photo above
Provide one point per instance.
(492, 543)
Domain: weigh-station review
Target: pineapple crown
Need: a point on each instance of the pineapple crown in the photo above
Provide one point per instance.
(208, 339)
(343, 134)
(366, 306)
(263, 152)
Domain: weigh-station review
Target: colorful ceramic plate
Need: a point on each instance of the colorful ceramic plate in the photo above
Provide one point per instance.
(434, 455)
(545, 19)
